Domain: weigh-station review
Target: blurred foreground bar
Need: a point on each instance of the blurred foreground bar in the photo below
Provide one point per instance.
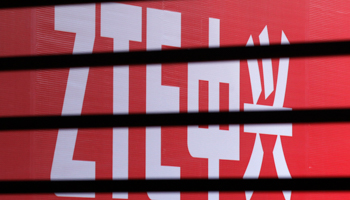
(175, 56)
(174, 119)
(186, 185)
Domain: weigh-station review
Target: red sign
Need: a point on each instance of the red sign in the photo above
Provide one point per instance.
(215, 151)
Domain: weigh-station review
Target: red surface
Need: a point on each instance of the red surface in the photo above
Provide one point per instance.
(314, 150)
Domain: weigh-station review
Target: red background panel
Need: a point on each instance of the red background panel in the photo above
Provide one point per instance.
(314, 150)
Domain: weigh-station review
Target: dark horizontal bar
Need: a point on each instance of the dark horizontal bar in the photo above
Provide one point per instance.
(141, 120)
(185, 185)
(36, 3)
(174, 56)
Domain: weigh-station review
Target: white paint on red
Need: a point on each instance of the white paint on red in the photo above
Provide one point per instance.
(213, 143)
(267, 64)
(255, 162)
(163, 28)
(122, 23)
(68, 18)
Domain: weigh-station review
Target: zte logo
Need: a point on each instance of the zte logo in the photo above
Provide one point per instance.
(212, 86)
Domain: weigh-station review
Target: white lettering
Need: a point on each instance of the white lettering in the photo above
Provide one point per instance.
(213, 143)
(255, 162)
(122, 23)
(68, 18)
(163, 28)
